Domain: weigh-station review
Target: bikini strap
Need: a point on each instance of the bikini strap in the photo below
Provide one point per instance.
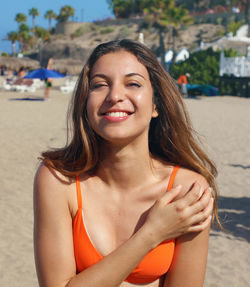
(172, 177)
(78, 192)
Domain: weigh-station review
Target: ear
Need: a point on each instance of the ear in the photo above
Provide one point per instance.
(155, 113)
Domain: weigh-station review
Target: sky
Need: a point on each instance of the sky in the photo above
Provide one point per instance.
(85, 10)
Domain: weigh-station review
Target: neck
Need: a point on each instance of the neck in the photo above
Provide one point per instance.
(126, 167)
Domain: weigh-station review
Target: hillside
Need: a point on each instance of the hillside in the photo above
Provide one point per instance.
(79, 44)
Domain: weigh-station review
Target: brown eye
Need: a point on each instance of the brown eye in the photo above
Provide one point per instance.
(97, 86)
(134, 84)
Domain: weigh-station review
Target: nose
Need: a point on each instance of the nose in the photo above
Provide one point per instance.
(116, 94)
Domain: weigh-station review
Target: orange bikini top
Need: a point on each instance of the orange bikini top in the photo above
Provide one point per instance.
(153, 265)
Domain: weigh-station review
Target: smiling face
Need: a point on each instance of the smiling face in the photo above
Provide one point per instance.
(120, 101)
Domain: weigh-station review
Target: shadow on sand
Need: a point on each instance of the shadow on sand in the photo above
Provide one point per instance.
(234, 214)
(28, 99)
(240, 165)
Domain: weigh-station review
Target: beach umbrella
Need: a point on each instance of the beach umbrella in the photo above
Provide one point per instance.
(43, 74)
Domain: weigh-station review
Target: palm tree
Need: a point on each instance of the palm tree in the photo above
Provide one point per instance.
(24, 36)
(165, 16)
(66, 12)
(12, 36)
(50, 14)
(245, 4)
(20, 18)
(125, 9)
(33, 12)
(42, 33)
(247, 15)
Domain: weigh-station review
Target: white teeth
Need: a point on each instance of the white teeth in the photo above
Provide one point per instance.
(117, 114)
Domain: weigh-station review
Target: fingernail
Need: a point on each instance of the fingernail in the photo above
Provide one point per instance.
(179, 187)
(210, 189)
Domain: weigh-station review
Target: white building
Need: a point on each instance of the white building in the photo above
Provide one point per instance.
(238, 66)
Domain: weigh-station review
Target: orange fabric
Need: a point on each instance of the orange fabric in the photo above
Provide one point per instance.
(182, 80)
(154, 264)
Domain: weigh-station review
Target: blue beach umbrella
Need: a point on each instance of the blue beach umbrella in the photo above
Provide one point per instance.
(43, 74)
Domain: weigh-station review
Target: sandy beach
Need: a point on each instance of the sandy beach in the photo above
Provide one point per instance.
(29, 127)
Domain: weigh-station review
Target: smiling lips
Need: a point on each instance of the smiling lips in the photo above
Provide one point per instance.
(116, 116)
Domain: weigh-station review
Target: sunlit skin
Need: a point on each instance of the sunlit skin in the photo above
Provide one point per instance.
(126, 208)
(120, 102)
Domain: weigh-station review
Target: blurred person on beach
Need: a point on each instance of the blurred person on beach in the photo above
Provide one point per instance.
(182, 82)
(11, 75)
(48, 81)
(21, 73)
(2, 70)
(129, 199)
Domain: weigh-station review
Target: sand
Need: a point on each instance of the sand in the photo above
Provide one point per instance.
(29, 127)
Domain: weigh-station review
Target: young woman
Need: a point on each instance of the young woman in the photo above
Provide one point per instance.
(128, 200)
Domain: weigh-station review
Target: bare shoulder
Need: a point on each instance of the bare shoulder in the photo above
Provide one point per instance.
(51, 187)
(48, 179)
(187, 178)
(53, 245)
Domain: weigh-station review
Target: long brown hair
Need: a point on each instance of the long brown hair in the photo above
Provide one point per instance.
(171, 136)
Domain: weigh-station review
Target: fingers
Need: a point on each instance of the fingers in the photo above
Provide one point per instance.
(201, 226)
(203, 215)
(170, 195)
(199, 211)
(203, 202)
(191, 196)
(196, 215)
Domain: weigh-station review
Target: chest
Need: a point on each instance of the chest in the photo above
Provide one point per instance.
(111, 218)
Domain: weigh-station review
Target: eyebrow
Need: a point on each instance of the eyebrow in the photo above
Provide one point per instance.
(135, 74)
(106, 77)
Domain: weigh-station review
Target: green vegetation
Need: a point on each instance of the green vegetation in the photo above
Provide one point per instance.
(107, 30)
(33, 12)
(30, 38)
(81, 31)
(41, 33)
(222, 32)
(230, 53)
(234, 26)
(50, 14)
(4, 54)
(165, 16)
(24, 37)
(65, 12)
(13, 37)
(124, 32)
(20, 18)
(203, 67)
(126, 8)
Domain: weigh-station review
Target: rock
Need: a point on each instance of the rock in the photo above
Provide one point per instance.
(61, 49)
(61, 46)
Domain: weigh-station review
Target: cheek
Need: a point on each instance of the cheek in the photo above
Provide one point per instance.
(145, 101)
(139, 99)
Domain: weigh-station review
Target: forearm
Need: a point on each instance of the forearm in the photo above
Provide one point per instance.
(114, 268)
